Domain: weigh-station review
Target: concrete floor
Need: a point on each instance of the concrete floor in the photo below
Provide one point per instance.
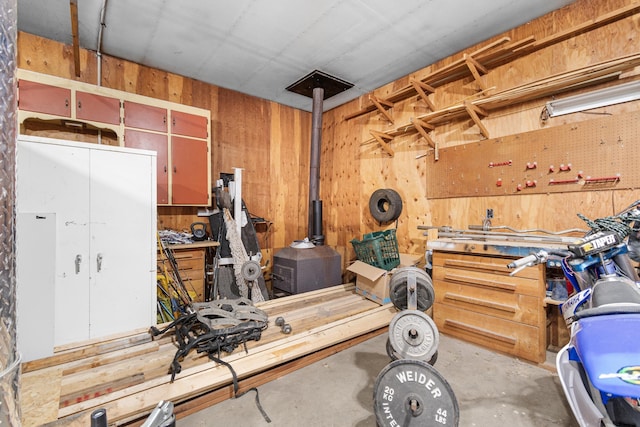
(491, 390)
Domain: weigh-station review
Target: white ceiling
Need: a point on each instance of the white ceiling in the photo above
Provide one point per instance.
(259, 47)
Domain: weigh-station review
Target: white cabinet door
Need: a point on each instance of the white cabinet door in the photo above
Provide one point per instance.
(55, 178)
(104, 201)
(35, 242)
(123, 262)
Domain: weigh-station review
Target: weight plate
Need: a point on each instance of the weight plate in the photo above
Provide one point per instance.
(424, 288)
(251, 270)
(413, 393)
(413, 335)
(395, 356)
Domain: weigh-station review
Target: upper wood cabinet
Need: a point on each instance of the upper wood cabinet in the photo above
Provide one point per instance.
(188, 125)
(97, 108)
(157, 142)
(179, 134)
(144, 116)
(42, 98)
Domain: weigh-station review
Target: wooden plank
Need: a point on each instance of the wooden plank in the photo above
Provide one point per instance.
(106, 387)
(196, 380)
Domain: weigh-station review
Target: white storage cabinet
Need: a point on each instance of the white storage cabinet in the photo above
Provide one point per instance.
(86, 242)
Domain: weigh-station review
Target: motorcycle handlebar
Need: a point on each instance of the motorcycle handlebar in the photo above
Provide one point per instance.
(532, 259)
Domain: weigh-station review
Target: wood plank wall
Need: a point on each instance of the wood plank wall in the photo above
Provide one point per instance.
(352, 171)
(271, 142)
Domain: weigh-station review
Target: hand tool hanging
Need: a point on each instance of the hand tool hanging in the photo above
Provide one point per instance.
(180, 289)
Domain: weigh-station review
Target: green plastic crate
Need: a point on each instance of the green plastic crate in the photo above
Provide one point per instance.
(379, 249)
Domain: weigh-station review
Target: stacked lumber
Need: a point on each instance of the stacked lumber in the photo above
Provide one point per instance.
(552, 85)
(129, 374)
(500, 52)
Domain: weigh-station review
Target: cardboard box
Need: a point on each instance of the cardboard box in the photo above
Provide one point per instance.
(373, 282)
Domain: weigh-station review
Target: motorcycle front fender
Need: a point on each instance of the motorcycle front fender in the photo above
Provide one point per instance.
(583, 408)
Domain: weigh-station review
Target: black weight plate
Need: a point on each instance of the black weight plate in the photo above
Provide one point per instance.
(424, 286)
(413, 393)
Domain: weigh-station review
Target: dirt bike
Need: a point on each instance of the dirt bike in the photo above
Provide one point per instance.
(599, 368)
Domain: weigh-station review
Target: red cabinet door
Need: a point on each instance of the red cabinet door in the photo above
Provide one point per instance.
(158, 143)
(189, 124)
(145, 116)
(41, 98)
(97, 108)
(189, 182)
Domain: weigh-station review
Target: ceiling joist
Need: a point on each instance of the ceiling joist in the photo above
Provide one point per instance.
(73, 6)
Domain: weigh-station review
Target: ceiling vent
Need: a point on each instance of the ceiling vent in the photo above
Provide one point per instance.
(331, 85)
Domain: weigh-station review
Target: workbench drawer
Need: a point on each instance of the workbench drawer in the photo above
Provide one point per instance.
(491, 265)
(494, 302)
(484, 273)
(524, 341)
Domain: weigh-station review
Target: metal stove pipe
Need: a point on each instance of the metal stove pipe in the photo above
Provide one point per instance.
(315, 204)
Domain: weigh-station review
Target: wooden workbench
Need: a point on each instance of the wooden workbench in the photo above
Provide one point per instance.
(477, 299)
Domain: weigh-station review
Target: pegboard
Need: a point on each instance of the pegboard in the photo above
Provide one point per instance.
(600, 154)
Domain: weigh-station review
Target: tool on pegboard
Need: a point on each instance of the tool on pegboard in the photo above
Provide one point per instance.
(602, 179)
(564, 181)
(495, 164)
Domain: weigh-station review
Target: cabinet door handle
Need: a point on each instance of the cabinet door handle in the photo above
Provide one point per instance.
(99, 262)
(78, 261)
(66, 103)
(174, 169)
(165, 168)
(79, 104)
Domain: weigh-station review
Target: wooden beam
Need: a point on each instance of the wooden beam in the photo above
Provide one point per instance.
(420, 126)
(473, 111)
(73, 5)
(475, 67)
(382, 139)
(422, 89)
(379, 105)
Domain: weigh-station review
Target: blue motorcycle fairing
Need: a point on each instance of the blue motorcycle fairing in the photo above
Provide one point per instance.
(609, 349)
(591, 260)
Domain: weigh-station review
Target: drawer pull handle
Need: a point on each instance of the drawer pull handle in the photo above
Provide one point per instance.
(480, 282)
(498, 268)
(479, 331)
(482, 302)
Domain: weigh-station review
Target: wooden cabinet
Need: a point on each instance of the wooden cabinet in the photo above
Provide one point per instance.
(188, 125)
(97, 108)
(93, 208)
(179, 134)
(157, 142)
(477, 301)
(189, 170)
(143, 116)
(43, 98)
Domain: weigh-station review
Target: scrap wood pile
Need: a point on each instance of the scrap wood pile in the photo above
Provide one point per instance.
(128, 375)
